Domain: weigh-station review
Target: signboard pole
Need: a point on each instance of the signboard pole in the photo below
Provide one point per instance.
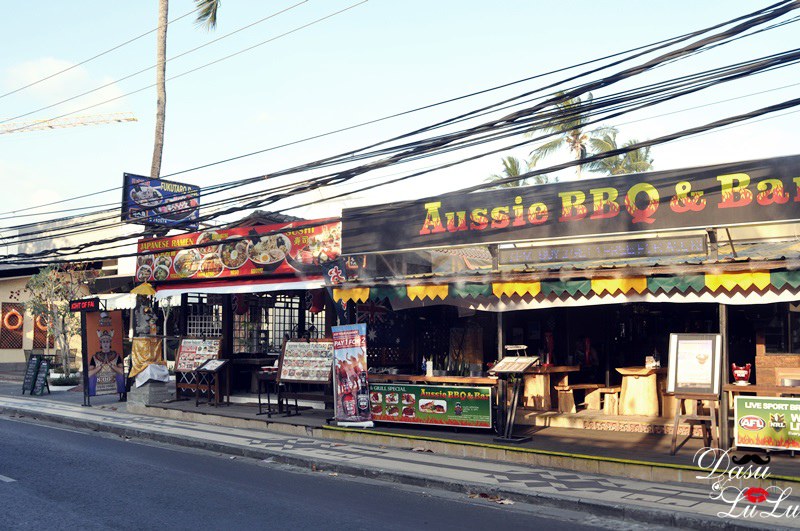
(85, 361)
(723, 410)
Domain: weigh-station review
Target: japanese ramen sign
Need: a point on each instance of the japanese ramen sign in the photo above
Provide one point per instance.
(760, 191)
(288, 248)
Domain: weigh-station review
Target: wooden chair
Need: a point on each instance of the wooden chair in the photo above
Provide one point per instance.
(566, 396)
(605, 399)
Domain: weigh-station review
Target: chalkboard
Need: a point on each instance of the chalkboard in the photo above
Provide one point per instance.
(41, 378)
(30, 372)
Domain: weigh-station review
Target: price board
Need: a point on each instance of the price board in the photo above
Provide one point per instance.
(40, 383)
(194, 351)
(306, 362)
(30, 372)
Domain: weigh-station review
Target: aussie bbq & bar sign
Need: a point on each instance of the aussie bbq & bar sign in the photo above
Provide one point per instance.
(724, 195)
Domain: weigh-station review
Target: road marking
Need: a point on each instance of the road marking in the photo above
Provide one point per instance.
(6, 479)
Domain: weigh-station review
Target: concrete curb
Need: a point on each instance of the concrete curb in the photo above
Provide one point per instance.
(597, 507)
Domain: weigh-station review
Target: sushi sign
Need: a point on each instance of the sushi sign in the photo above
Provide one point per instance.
(148, 201)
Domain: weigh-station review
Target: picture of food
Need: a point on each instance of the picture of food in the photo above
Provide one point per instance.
(318, 249)
(269, 249)
(143, 273)
(392, 398)
(433, 406)
(393, 411)
(207, 237)
(144, 259)
(408, 411)
(409, 398)
(146, 196)
(178, 207)
(186, 262)
(234, 254)
(375, 397)
(163, 260)
(210, 266)
(376, 409)
(161, 273)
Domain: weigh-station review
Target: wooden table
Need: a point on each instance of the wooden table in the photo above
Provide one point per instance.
(540, 382)
(639, 394)
(758, 390)
(408, 378)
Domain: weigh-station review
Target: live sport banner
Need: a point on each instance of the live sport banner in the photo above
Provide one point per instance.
(302, 247)
(467, 407)
(725, 195)
(768, 423)
(350, 383)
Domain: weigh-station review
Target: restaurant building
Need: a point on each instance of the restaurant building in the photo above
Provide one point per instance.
(592, 276)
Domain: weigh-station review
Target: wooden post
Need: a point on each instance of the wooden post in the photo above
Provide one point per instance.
(227, 325)
(723, 414)
(500, 336)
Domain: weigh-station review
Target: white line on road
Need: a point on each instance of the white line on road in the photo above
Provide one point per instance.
(6, 479)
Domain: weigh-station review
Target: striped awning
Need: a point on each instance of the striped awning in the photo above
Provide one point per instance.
(752, 287)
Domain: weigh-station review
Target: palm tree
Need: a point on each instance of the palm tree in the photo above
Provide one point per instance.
(568, 124)
(513, 167)
(636, 161)
(206, 15)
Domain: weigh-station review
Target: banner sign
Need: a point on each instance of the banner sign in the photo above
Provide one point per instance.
(692, 245)
(694, 363)
(469, 407)
(104, 350)
(289, 248)
(767, 422)
(351, 388)
(724, 195)
(148, 201)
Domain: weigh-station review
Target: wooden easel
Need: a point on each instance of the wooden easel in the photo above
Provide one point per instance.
(710, 430)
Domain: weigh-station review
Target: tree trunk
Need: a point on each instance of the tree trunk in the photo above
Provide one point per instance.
(64, 340)
(161, 88)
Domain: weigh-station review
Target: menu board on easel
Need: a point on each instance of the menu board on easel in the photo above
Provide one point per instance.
(195, 351)
(694, 363)
(306, 361)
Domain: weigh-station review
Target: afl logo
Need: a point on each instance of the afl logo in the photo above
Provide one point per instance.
(752, 423)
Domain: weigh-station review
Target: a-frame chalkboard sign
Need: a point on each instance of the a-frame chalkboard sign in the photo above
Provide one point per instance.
(31, 371)
(40, 383)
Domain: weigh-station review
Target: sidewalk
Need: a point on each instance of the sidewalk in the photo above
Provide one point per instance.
(680, 505)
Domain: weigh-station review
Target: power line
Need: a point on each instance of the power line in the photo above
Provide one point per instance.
(659, 44)
(101, 87)
(101, 54)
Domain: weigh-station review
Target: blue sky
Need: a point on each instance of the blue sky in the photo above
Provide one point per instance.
(379, 58)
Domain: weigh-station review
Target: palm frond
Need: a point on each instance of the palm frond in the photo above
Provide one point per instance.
(207, 12)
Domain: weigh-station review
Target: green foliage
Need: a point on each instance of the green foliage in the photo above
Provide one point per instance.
(513, 167)
(636, 161)
(66, 380)
(50, 291)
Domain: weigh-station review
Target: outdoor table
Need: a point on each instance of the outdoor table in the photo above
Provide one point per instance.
(639, 391)
(540, 383)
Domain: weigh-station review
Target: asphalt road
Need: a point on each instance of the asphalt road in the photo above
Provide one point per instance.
(57, 478)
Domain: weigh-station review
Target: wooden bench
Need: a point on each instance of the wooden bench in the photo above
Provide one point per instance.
(566, 397)
(605, 398)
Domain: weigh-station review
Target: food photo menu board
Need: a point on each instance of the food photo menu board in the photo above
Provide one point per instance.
(194, 352)
(288, 248)
(468, 407)
(306, 362)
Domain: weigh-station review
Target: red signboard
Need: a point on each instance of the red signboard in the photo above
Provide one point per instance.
(85, 305)
(289, 248)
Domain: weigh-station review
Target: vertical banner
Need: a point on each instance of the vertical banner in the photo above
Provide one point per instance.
(350, 373)
(104, 350)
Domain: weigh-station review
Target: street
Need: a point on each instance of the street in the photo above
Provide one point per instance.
(57, 478)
